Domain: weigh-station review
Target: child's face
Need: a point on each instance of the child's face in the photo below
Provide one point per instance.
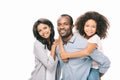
(90, 27)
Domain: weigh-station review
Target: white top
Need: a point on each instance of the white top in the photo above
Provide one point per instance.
(50, 75)
(96, 39)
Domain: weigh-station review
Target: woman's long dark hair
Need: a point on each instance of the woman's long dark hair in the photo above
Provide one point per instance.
(41, 39)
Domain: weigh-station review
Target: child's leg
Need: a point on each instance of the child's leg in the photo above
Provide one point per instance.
(94, 74)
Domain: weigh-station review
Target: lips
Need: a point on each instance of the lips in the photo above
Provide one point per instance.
(89, 33)
(45, 35)
(62, 31)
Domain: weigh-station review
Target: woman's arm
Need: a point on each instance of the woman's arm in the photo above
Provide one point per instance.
(40, 54)
(53, 49)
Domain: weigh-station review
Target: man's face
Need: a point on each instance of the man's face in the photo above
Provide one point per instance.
(64, 27)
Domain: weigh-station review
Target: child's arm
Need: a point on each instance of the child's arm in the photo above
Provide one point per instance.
(85, 52)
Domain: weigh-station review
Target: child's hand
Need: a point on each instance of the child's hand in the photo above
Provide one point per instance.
(64, 55)
(65, 60)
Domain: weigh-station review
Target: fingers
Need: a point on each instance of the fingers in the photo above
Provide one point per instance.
(56, 42)
(65, 60)
(64, 55)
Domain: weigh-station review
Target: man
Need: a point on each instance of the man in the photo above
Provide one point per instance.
(76, 68)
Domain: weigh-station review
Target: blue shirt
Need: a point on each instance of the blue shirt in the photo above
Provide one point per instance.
(79, 68)
(75, 68)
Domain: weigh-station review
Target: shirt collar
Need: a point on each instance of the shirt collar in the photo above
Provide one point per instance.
(72, 39)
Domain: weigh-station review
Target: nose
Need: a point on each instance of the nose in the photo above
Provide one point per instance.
(42, 32)
(61, 26)
(90, 28)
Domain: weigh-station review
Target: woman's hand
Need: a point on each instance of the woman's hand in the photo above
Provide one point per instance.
(53, 48)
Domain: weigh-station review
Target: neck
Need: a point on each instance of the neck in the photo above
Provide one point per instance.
(87, 37)
(66, 39)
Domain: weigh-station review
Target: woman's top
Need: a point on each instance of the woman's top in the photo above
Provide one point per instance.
(43, 62)
(50, 75)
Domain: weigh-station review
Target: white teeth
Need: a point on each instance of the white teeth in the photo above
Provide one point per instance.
(62, 31)
(45, 34)
(89, 33)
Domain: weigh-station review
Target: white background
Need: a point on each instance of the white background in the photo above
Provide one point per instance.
(16, 38)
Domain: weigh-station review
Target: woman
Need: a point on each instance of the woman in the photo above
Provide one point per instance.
(44, 50)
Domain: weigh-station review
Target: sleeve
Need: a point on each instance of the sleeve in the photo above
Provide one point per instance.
(40, 54)
(101, 59)
(94, 39)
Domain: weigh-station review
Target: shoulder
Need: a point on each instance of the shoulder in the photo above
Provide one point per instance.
(79, 40)
(38, 43)
(95, 36)
(94, 39)
(79, 37)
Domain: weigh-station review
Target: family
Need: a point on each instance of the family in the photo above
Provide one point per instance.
(75, 55)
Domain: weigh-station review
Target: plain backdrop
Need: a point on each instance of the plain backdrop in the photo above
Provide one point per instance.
(16, 38)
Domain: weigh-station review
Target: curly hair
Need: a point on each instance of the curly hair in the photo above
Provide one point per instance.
(102, 23)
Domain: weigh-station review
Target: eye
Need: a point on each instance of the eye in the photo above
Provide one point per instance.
(93, 26)
(45, 27)
(66, 23)
(86, 25)
(58, 24)
(39, 30)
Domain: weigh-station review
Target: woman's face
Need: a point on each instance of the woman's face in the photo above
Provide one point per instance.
(44, 30)
(90, 27)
